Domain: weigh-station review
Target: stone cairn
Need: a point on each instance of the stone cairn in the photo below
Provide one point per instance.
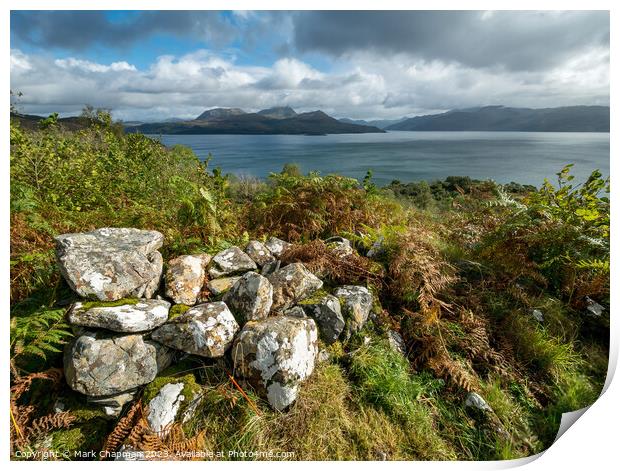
(265, 316)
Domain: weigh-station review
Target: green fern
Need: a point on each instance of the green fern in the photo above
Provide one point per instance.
(39, 334)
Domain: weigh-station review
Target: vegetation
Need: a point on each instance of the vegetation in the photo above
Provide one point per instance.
(460, 266)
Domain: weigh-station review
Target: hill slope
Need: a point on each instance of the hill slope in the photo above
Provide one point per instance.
(500, 118)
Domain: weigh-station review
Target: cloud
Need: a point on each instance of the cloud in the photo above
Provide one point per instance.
(80, 30)
(526, 40)
(88, 66)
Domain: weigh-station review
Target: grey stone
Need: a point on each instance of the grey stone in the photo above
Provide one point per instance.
(396, 342)
(185, 277)
(593, 307)
(145, 314)
(291, 284)
(231, 261)
(538, 315)
(377, 249)
(113, 404)
(341, 246)
(476, 401)
(103, 364)
(276, 355)
(259, 253)
(206, 330)
(356, 303)
(277, 246)
(326, 312)
(111, 263)
(250, 298)
(221, 285)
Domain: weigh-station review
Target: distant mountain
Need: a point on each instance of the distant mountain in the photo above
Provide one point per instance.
(235, 121)
(220, 113)
(279, 112)
(501, 118)
(379, 123)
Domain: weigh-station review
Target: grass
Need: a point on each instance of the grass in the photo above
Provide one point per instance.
(463, 265)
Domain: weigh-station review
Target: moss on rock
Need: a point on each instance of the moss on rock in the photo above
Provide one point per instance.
(177, 310)
(120, 302)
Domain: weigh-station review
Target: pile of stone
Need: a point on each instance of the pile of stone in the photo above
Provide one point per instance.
(243, 303)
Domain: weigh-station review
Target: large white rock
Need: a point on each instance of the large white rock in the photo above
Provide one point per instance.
(185, 277)
(277, 246)
(111, 263)
(140, 316)
(276, 355)
(259, 253)
(206, 330)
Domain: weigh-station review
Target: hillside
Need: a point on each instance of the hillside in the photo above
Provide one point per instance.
(448, 320)
(500, 118)
(281, 120)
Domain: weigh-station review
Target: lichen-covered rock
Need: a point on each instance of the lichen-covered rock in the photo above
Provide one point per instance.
(112, 405)
(356, 303)
(341, 246)
(221, 285)
(276, 246)
(593, 307)
(103, 364)
(250, 298)
(291, 284)
(259, 253)
(396, 342)
(230, 262)
(538, 315)
(111, 263)
(377, 249)
(184, 278)
(206, 330)
(325, 310)
(276, 355)
(137, 316)
(476, 401)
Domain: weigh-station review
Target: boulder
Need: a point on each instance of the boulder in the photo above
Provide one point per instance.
(206, 330)
(111, 263)
(292, 284)
(340, 246)
(104, 364)
(295, 311)
(325, 310)
(276, 355)
(221, 285)
(276, 246)
(184, 278)
(259, 253)
(356, 303)
(377, 249)
(230, 262)
(137, 316)
(250, 298)
(593, 307)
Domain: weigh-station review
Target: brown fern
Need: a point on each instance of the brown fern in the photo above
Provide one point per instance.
(50, 422)
(123, 429)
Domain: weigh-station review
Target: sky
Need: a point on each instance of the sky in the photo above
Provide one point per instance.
(152, 65)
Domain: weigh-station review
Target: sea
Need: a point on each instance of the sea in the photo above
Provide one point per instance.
(522, 157)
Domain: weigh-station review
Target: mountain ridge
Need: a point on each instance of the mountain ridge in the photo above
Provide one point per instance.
(502, 118)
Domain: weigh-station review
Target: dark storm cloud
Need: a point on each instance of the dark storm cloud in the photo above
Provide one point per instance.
(516, 40)
(80, 30)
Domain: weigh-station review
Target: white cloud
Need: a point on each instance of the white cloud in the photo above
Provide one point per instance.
(365, 85)
(88, 66)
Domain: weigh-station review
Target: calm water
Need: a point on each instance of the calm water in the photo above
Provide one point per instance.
(522, 157)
